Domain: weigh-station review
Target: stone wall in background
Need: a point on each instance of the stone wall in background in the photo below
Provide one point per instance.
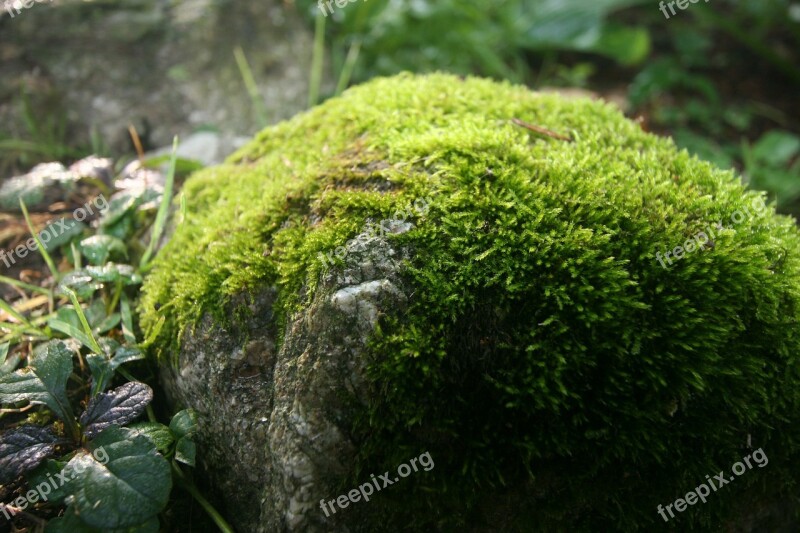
(166, 67)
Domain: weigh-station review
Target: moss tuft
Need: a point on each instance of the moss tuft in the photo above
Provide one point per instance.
(545, 350)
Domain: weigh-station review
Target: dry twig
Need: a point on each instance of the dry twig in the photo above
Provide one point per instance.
(540, 130)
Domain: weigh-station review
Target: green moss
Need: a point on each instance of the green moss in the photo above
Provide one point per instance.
(545, 346)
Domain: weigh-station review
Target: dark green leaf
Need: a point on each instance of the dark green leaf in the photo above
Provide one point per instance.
(185, 451)
(576, 25)
(777, 148)
(119, 206)
(159, 434)
(130, 488)
(100, 367)
(46, 480)
(69, 523)
(629, 46)
(60, 232)
(113, 272)
(98, 248)
(109, 323)
(79, 281)
(67, 314)
(7, 364)
(124, 354)
(151, 526)
(105, 364)
(95, 313)
(43, 381)
(184, 423)
(23, 449)
(116, 407)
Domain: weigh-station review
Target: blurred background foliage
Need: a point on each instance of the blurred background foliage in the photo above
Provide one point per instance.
(721, 77)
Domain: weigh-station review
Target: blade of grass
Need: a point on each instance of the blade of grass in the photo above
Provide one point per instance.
(47, 259)
(71, 331)
(163, 209)
(17, 330)
(31, 124)
(23, 285)
(127, 319)
(251, 86)
(315, 80)
(115, 299)
(36, 331)
(153, 334)
(85, 323)
(5, 306)
(7, 364)
(23, 326)
(76, 256)
(23, 146)
(16, 337)
(349, 66)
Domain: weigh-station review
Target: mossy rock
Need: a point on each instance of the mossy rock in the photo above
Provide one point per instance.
(509, 316)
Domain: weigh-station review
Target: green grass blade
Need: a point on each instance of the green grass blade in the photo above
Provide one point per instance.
(47, 259)
(71, 331)
(349, 66)
(153, 334)
(315, 80)
(25, 324)
(252, 87)
(76, 256)
(163, 209)
(5, 306)
(85, 323)
(127, 319)
(23, 285)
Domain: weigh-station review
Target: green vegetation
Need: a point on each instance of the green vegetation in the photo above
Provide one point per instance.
(704, 77)
(493, 38)
(65, 454)
(547, 361)
(46, 137)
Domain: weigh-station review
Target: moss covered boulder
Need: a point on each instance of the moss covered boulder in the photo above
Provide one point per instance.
(575, 320)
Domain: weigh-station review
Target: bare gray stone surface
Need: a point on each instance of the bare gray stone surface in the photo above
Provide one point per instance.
(271, 437)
